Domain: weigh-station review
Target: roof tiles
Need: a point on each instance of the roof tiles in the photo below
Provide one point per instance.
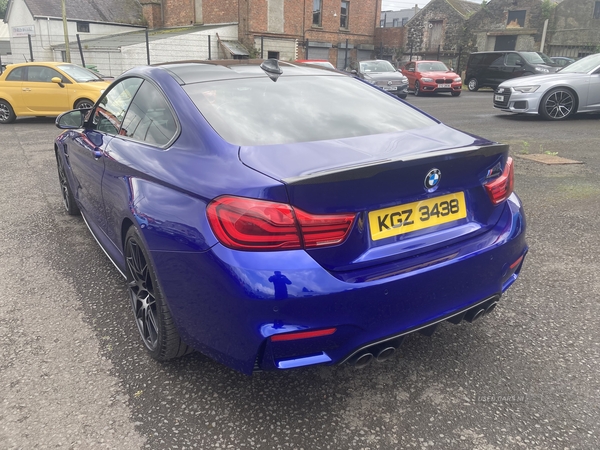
(113, 11)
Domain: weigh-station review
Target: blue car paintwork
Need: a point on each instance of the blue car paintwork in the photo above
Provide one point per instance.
(226, 303)
(227, 321)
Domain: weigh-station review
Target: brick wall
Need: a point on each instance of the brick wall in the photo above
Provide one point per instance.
(178, 12)
(253, 19)
(219, 11)
(152, 15)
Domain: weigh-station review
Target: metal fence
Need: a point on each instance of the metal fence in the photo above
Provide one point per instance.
(572, 51)
(113, 54)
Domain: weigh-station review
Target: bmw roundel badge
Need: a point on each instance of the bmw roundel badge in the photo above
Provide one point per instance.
(432, 180)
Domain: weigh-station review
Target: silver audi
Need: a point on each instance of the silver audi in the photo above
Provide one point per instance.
(573, 89)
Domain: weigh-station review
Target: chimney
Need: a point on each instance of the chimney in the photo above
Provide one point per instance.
(152, 13)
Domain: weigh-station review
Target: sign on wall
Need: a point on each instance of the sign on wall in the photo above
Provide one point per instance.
(23, 31)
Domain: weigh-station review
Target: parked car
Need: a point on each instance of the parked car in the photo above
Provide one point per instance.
(575, 89)
(331, 221)
(382, 74)
(317, 62)
(432, 77)
(489, 69)
(46, 89)
(562, 61)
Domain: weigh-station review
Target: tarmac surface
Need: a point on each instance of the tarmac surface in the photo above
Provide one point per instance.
(74, 375)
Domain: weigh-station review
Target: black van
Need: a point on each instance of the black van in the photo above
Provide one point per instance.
(489, 69)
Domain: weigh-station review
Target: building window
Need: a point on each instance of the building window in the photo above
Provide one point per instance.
(395, 22)
(83, 27)
(516, 19)
(344, 15)
(382, 23)
(317, 12)
(404, 20)
(272, 55)
(597, 10)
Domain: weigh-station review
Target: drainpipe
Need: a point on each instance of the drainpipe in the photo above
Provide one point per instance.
(544, 36)
(66, 32)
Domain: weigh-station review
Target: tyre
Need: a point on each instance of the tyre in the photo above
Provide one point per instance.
(67, 195)
(455, 94)
(151, 313)
(402, 96)
(84, 103)
(417, 87)
(558, 104)
(473, 85)
(7, 114)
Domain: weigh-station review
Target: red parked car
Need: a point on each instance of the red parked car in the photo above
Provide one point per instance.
(432, 77)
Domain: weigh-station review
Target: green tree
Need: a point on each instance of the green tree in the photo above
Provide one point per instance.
(3, 4)
(547, 8)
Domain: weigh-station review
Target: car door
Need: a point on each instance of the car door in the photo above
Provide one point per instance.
(147, 129)
(41, 95)
(496, 71)
(87, 152)
(409, 72)
(593, 100)
(514, 66)
(11, 89)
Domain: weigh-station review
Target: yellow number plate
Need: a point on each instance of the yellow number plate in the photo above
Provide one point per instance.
(415, 216)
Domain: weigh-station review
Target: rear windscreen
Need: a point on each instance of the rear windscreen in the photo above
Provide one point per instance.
(258, 111)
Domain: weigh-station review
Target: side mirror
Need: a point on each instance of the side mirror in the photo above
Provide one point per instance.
(58, 81)
(71, 120)
(354, 71)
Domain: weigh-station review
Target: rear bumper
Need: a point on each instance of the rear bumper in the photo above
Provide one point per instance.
(228, 304)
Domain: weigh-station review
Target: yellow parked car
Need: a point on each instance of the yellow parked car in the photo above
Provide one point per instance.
(47, 89)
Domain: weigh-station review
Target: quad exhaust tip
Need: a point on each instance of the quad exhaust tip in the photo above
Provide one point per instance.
(491, 307)
(386, 353)
(363, 360)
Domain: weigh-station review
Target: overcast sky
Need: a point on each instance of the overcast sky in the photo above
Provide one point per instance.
(394, 5)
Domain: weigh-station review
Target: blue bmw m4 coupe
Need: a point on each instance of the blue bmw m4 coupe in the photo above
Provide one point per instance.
(273, 215)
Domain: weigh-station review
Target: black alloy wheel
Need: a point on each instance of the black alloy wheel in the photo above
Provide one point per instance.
(558, 104)
(84, 104)
(67, 195)
(417, 87)
(7, 114)
(151, 313)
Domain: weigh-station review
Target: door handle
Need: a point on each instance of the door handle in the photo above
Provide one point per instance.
(26, 89)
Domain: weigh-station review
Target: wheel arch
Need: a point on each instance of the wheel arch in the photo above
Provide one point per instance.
(10, 104)
(565, 87)
(80, 99)
(125, 225)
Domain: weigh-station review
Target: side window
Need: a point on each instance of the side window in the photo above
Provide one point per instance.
(16, 74)
(149, 118)
(495, 59)
(512, 58)
(111, 109)
(42, 74)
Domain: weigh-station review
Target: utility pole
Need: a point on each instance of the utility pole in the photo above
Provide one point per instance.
(66, 31)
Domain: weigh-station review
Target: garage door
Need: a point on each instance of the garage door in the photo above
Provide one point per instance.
(318, 53)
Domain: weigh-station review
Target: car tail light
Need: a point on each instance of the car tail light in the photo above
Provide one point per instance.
(252, 224)
(501, 188)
